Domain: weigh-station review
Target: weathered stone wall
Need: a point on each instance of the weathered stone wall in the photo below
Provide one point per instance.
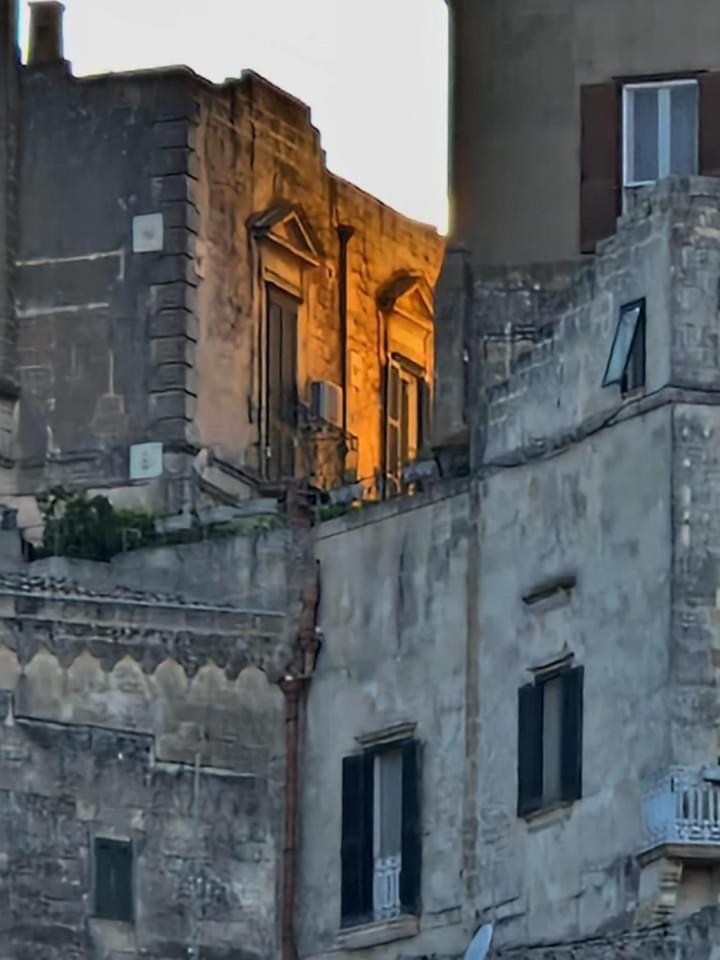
(616, 494)
(696, 938)
(599, 513)
(139, 718)
(103, 330)
(394, 624)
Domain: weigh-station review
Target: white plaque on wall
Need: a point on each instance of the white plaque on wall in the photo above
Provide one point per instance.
(146, 461)
(148, 233)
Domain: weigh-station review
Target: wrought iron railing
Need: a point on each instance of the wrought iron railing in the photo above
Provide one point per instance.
(386, 888)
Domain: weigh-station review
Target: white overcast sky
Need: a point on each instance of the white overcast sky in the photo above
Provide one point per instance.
(373, 71)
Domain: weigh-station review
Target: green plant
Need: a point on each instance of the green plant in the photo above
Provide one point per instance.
(90, 528)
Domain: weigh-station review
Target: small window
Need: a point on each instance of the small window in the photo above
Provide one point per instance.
(626, 364)
(660, 131)
(380, 834)
(550, 740)
(114, 879)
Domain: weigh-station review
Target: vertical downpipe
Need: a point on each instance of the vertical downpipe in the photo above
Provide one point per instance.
(345, 234)
(292, 687)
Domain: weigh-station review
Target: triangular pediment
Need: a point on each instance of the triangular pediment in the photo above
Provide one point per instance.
(407, 293)
(286, 225)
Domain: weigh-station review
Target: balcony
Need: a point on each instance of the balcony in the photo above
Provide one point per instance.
(681, 813)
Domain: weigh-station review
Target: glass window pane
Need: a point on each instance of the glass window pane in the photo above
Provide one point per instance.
(644, 133)
(623, 343)
(552, 740)
(683, 129)
(390, 803)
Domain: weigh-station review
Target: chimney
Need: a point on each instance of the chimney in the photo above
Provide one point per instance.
(46, 33)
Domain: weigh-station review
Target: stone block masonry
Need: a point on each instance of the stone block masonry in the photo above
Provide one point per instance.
(153, 721)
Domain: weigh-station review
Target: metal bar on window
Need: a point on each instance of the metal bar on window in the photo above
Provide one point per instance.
(664, 132)
(628, 139)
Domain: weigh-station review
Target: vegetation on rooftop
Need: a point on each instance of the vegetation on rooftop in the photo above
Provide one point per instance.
(83, 527)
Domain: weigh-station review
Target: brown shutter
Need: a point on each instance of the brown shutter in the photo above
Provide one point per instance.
(709, 124)
(599, 163)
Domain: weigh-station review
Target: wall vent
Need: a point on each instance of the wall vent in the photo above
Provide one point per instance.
(326, 400)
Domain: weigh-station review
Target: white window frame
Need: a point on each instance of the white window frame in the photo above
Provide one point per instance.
(664, 113)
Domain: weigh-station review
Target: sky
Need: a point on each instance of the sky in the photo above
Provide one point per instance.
(374, 73)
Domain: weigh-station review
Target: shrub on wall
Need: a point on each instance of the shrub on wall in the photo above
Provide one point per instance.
(90, 528)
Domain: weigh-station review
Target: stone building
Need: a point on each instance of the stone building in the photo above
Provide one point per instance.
(521, 665)
(181, 269)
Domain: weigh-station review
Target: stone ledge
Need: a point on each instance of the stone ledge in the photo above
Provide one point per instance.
(374, 934)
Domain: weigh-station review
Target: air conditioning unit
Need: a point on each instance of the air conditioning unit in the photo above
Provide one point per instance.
(326, 400)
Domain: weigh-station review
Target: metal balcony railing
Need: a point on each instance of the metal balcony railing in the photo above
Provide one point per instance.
(682, 805)
(386, 888)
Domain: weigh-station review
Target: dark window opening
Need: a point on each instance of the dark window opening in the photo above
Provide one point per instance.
(626, 364)
(550, 740)
(114, 880)
(282, 393)
(381, 845)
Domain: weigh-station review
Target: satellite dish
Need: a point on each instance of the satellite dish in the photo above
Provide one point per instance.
(480, 943)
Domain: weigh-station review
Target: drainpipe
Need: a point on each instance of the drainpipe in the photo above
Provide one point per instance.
(345, 234)
(293, 688)
(294, 685)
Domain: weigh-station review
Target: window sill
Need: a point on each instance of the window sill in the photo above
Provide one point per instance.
(115, 935)
(547, 816)
(381, 931)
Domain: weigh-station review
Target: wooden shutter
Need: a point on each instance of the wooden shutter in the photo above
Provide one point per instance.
(113, 880)
(281, 382)
(274, 360)
(572, 734)
(530, 711)
(392, 426)
(709, 158)
(424, 415)
(411, 864)
(289, 363)
(600, 188)
(357, 838)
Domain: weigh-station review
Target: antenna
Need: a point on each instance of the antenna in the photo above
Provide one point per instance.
(480, 943)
